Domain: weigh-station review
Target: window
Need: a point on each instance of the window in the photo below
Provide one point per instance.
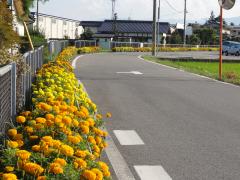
(40, 18)
(64, 23)
(54, 21)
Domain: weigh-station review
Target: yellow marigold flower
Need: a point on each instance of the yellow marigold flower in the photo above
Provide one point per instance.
(96, 149)
(98, 139)
(57, 144)
(47, 139)
(67, 150)
(74, 139)
(99, 174)
(60, 161)
(29, 129)
(36, 148)
(18, 137)
(20, 143)
(12, 144)
(80, 163)
(99, 116)
(12, 132)
(108, 115)
(49, 123)
(89, 175)
(39, 126)
(33, 169)
(81, 154)
(92, 140)
(9, 176)
(55, 168)
(33, 138)
(75, 123)
(49, 116)
(41, 178)
(104, 168)
(21, 119)
(46, 107)
(85, 111)
(23, 154)
(41, 120)
(91, 122)
(85, 129)
(9, 169)
(104, 134)
(67, 120)
(26, 113)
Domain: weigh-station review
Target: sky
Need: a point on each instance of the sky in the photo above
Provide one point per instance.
(171, 10)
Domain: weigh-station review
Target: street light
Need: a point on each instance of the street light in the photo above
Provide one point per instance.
(224, 4)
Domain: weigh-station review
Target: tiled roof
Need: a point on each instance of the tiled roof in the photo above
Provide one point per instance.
(129, 26)
(91, 23)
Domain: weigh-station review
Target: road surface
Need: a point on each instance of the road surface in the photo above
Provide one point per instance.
(167, 124)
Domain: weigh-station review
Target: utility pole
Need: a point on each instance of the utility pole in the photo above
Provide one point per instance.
(113, 8)
(154, 39)
(185, 16)
(158, 27)
(37, 15)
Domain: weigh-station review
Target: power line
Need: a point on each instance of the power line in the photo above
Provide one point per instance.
(172, 7)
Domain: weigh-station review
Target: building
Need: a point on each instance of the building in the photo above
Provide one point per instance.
(235, 31)
(124, 31)
(54, 27)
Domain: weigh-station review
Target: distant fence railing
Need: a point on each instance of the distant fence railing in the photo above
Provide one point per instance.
(8, 85)
(7, 95)
(55, 47)
(114, 44)
(85, 43)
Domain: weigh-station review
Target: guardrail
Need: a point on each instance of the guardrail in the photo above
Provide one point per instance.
(85, 43)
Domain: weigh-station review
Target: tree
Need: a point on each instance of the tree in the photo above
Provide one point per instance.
(195, 40)
(8, 37)
(207, 36)
(232, 24)
(87, 35)
(176, 38)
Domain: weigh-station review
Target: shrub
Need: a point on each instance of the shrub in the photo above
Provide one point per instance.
(85, 50)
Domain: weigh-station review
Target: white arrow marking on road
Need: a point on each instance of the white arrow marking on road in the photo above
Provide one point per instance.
(152, 172)
(131, 72)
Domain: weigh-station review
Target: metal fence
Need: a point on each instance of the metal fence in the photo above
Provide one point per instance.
(85, 43)
(7, 95)
(8, 85)
(114, 44)
(55, 47)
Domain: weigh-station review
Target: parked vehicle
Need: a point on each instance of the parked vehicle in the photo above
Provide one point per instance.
(231, 47)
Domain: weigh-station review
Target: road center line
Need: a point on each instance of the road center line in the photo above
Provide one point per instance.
(128, 137)
(152, 172)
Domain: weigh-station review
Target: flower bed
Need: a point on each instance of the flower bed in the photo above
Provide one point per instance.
(85, 50)
(165, 49)
(61, 138)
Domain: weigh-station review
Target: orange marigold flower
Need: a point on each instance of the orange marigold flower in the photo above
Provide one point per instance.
(60, 161)
(21, 119)
(41, 120)
(23, 154)
(33, 169)
(12, 132)
(49, 117)
(108, 115)
(98, 173)
(9, 176)
(89, 175)
(80, 163)
(55, 168)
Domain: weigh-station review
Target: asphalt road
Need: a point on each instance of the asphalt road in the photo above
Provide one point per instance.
(189, 125)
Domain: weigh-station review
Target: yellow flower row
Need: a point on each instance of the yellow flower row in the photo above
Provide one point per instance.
(62, 135)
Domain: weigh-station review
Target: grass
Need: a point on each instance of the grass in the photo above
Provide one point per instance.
(231, 71)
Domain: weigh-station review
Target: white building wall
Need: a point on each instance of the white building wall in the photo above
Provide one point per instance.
(56, 27)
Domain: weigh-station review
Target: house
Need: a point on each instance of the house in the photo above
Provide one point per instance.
(124, 30)
(235, 31)
(54, 27)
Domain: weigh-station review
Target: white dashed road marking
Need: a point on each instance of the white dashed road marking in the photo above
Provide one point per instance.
(128, 137)
(131, 72)
(152, 173)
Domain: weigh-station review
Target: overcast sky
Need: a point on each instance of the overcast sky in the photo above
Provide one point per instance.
(134, 9)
